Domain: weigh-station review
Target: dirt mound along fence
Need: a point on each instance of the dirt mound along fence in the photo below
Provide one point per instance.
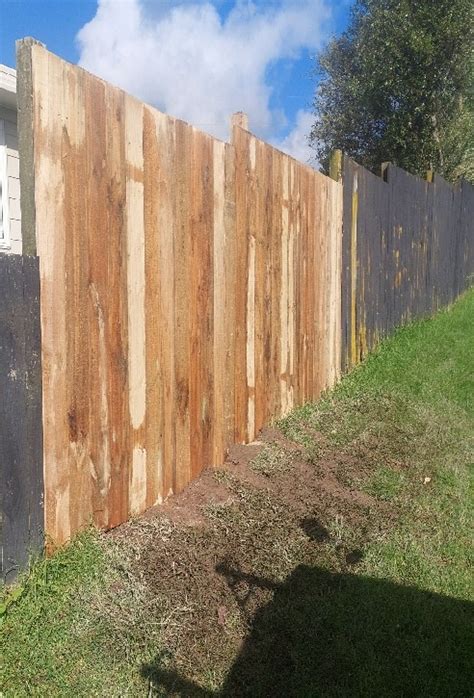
(190, 291)
(408, 249)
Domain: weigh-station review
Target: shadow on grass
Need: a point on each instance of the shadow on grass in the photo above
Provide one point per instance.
(326, 634)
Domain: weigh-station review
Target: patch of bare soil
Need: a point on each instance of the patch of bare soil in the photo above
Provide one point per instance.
(232, 539)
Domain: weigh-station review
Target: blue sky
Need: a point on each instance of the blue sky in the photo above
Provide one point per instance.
(196, 60)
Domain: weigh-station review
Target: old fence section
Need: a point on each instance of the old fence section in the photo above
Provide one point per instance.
(21, 457)
(190, 290)
(408, 250)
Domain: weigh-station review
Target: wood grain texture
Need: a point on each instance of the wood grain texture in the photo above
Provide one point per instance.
(136, 302)
(189, 294)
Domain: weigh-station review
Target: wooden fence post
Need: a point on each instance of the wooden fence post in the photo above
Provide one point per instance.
(24, 49)
(240, 119)
(21, 436)
(384, 171)
(335, 165)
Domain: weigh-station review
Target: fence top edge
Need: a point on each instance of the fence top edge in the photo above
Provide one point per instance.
(34, 45)
(389, 169)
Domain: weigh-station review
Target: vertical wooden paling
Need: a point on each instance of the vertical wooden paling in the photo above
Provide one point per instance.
(256, 191)
(355, 212)
(201, 305)
(112, 308)
(165, 132)
(154, 392)
(182, 262)
(239, 141)
(275, 284)
(284, 285)
(220, 303)
(251, 226)
(136, 297)
(230, 294)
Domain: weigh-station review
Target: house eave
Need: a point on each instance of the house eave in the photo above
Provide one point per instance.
(7, 87)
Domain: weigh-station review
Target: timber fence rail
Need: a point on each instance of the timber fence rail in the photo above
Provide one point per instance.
(193, 290)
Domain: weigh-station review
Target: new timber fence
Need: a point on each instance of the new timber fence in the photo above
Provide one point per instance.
(189, 291)
(192, 290)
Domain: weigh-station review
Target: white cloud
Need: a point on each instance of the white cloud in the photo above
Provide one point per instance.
(192, 64)
(296, 142)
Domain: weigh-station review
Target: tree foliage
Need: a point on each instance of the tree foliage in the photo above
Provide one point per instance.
(398, 86)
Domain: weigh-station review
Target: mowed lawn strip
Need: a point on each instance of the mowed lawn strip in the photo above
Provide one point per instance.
(336, 562)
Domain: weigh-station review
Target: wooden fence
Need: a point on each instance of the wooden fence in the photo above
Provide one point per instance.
(21, 464)
(408, 250)
(190, 290)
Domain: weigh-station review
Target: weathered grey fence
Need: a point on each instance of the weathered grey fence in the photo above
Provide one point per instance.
(407, 251)
(21, 457)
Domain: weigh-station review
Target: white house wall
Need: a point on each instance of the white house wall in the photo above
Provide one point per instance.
(8, 116)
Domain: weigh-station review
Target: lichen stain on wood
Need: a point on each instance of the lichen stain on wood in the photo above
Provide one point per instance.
(415, 252)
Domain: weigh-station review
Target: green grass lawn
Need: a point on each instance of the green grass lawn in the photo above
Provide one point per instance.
(360, 585)
(413, 399)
